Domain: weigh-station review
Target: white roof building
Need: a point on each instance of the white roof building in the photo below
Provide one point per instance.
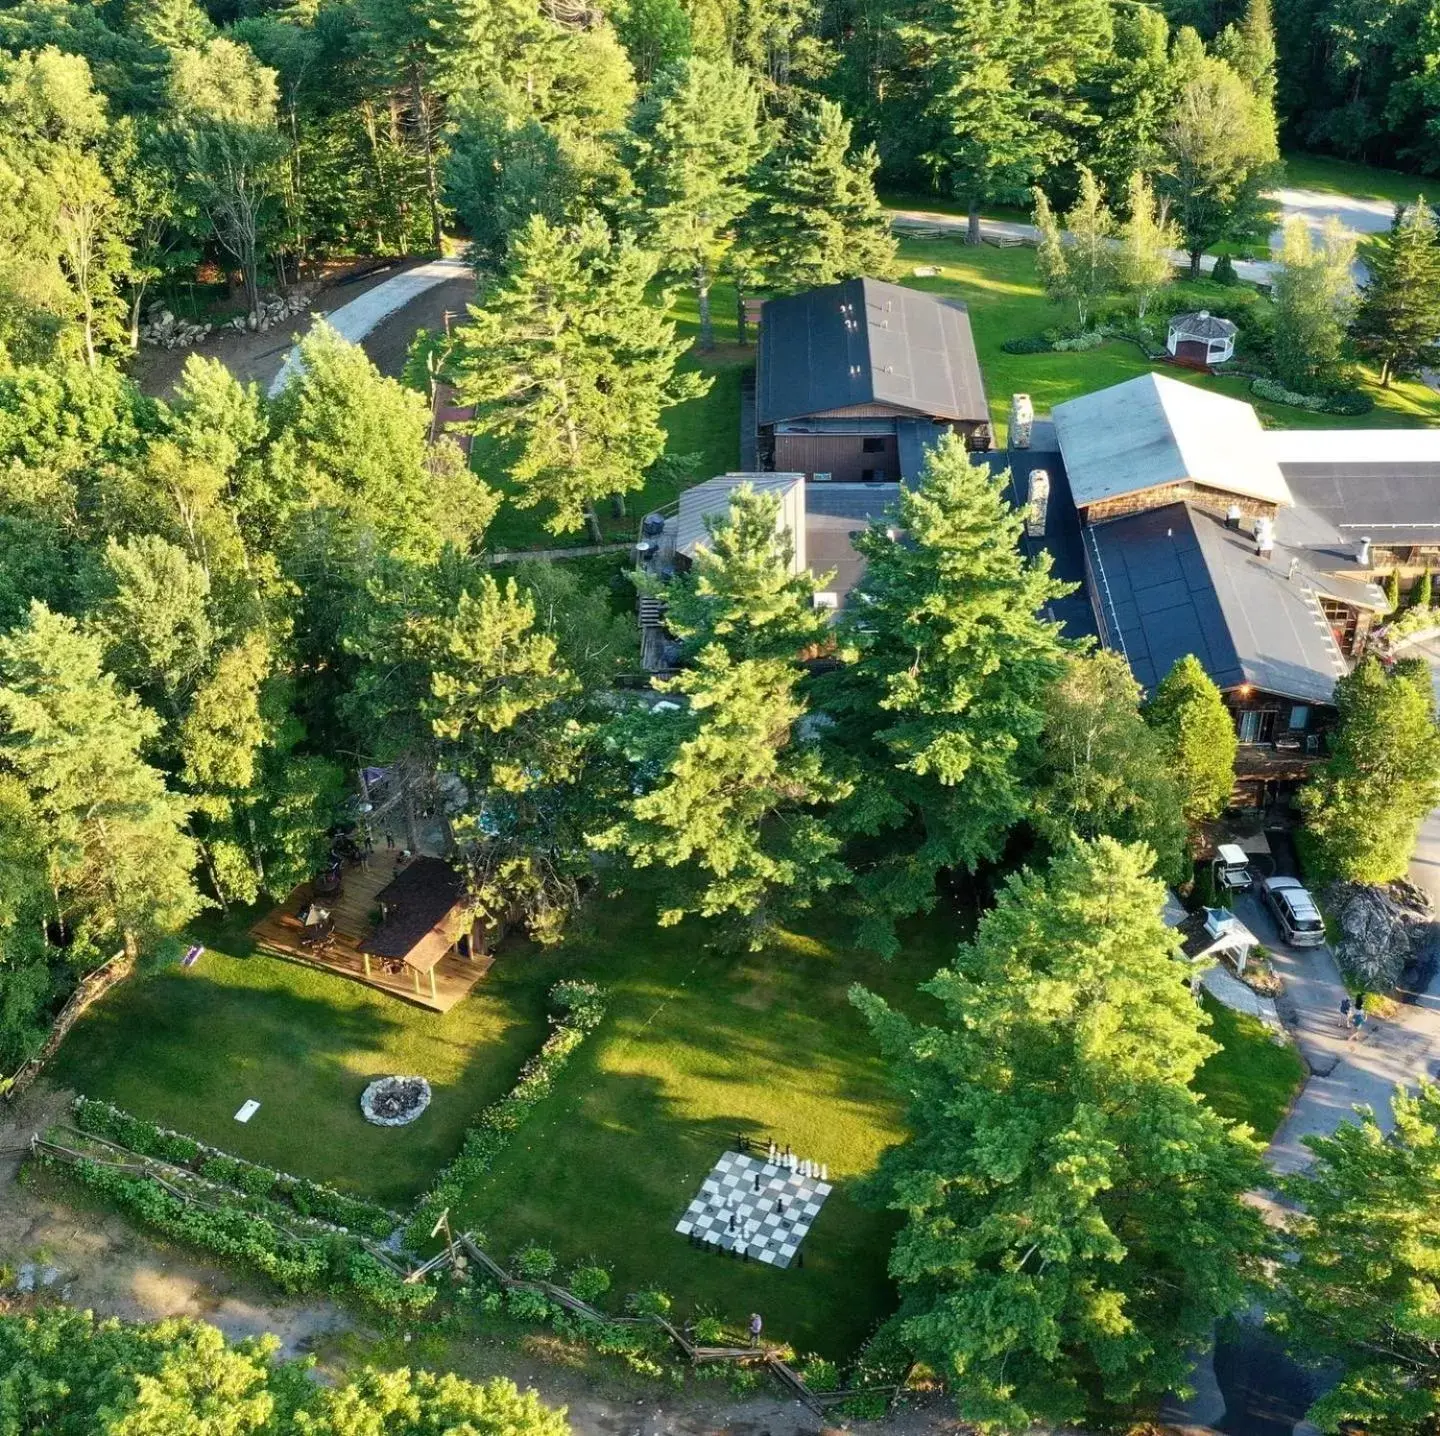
(712, 500)
(1153, 431)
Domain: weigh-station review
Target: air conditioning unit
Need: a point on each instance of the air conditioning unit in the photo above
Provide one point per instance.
(821, 478)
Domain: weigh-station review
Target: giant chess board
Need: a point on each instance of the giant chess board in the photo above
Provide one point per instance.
(759, 1208)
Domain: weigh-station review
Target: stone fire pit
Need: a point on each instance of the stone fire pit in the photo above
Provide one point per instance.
(394, 1101)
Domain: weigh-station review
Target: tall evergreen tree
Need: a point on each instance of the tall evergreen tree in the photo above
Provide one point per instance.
(1249, 49)
(1074, 1220)
(1190, 718)
(741, 591)
(730, 796)
(940, 694)
(1398, 317)
(503, 708)
(572, 361)
(815, 218)
(1361, 1294)
(1364, 805)
(694, 139)
(117, 857)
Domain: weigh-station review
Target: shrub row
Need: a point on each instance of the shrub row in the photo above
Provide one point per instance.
(336, 1263)
(1346, 402)
(577, 1009)
(310, 1199)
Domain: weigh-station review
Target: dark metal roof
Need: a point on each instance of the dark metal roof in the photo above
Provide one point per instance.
(866, 342)
(851, 501)
(418, 899)
(1062, 524)
(913, 438)
(1203, 326)
(1175, 580)
(1387, 501)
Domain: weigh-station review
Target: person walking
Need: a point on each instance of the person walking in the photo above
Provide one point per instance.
(1345, 1014)
(1358, 1024)
(756, 1327)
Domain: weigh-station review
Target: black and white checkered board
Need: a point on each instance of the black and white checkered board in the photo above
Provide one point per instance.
(769, 1223)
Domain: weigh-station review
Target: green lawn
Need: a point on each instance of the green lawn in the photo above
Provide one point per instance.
(1005, 301)
(187, 1047)
(1332, 176)
(1250, 1079)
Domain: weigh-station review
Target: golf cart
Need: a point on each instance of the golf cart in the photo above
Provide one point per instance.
(1231, 868)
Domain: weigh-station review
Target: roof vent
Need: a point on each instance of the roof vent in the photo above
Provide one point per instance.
(1264, 536)
(1204, 314)
(1362, 553)
(1232, 517)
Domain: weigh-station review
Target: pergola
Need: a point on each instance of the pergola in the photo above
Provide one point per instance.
(424, 912)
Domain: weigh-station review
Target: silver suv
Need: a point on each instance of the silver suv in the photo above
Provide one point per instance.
(1300, 922)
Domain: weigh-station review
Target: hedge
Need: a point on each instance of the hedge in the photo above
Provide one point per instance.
(310, 1199)
(1351, 402)
(577, 1010)
(334, 1263)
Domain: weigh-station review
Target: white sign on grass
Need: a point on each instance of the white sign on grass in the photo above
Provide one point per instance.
(250, 1108)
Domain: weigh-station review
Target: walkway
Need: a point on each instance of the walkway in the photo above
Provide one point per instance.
(355, 320)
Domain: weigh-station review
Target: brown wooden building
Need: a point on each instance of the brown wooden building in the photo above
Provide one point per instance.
(854, 381)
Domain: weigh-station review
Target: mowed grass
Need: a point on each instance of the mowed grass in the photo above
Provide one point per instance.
(1333, 176)
(1005, 300)
(701, 1045)
(186, 1047)
(1251, 1079)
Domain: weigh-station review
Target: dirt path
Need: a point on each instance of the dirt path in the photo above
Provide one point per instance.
(258, 357)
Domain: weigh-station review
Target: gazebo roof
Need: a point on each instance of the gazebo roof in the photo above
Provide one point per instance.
(1202, 325)
(420, 899)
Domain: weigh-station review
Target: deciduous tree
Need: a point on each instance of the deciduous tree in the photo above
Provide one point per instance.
(1147, 237)
(1074, 1213)
(1314, 295)
(1079, 266)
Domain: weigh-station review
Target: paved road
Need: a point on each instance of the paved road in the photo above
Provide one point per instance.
(355, 320)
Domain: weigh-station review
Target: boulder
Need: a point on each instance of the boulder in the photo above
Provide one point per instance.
(1381, 930)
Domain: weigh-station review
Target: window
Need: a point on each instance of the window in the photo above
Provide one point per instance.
(872, 476)
(1299, 718)
(1249, 726)
(872, 445)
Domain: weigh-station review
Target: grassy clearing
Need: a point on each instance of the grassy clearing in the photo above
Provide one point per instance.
(701, 1045)
(1005, 301)
(186, 1048)
(1332, 176)
(1251, 1079)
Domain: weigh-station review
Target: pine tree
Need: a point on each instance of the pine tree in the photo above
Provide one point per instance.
(695, 137)
(729, 795)
(504, 710)
(118, 859)
(1425, 591)
(1074, 1213)
(1143, 262)
(939, 696)
(1364, 805)
(1398, 318)
(1101, 771)
(815, 218)
(572, 361)
(1249, 49)
(740, 591)
(1190, 718)
(1314, 295)
(1361, 1293)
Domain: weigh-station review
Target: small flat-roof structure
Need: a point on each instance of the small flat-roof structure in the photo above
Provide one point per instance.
(711, 500)
(1154, 431)
(1175, 580)
(864, 341)
(424, 911)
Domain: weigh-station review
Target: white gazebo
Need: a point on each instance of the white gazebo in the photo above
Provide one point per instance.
(1202, 338)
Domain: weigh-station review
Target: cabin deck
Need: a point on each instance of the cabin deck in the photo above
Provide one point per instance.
(279, 933)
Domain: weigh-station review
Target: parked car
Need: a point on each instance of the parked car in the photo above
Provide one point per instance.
(1299, 919)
